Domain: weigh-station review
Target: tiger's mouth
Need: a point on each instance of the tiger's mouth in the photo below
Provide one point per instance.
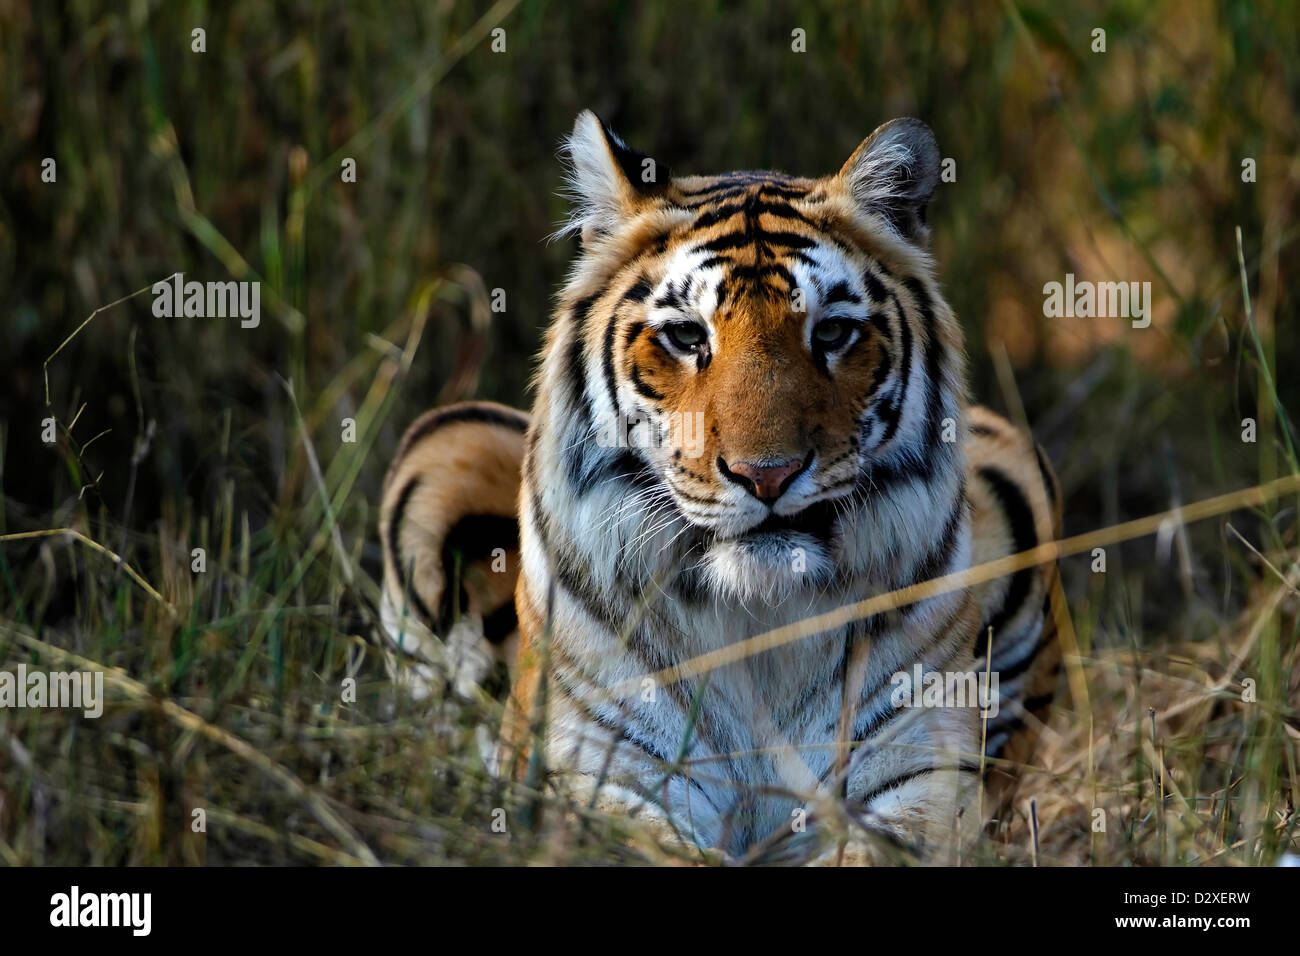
(817, 521)
(778, 557)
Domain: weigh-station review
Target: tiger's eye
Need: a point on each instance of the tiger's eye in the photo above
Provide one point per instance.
(686, 336)
(832, 333)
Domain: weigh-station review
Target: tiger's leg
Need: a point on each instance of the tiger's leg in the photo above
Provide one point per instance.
(529, 720)
(450, 536)
(910, 788)
(1015, 505)
(920, 807)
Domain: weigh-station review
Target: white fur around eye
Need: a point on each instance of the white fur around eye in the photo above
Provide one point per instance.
(698, 304)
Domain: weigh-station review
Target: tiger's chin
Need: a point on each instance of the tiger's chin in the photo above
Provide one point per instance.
(767, 567)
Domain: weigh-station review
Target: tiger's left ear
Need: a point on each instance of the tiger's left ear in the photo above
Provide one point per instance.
(608, 180)
(893, 174)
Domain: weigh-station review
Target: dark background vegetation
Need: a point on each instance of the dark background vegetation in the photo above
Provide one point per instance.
(178, 433)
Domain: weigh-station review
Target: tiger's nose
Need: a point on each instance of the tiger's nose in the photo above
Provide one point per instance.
(765, 480)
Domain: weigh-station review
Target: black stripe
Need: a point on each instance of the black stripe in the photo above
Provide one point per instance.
(1006, 674)
(892, 413)
(741, 178)
(882, 475)
(934, 563)
(639, 290)
(839, 292)
(721, 292)
(395, 551)
(940, 635)
(781, 210)
(582, 308)
(874, 722)
(1020, 518)
(899, 779)
(575, 361)
(564, 566)
(762, 237)
(637, 293)
(465, 413)
(716, 194)
(607, 723)
(756, 274)
(607, 358)
(583, 462)
(1045, 470)
(501, 623)
(875, 288)
(771, 189)
(767, 179)
(588, 464)
(881, 373)
(896, 781)
(567, 564)
(626, 734)
(671, 297)
(576, 374)
(733, 188)
(933, 363)
(643, 389)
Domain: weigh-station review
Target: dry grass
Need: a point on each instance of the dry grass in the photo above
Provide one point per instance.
(1186, 772)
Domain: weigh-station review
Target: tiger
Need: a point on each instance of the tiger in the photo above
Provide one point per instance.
(750, 409)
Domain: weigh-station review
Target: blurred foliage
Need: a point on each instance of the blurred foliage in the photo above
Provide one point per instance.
(1119, 165)
(1124, 165)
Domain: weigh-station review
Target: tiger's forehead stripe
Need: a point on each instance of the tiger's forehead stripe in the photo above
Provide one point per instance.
(769, 256)
(750, 248)
(713, 188)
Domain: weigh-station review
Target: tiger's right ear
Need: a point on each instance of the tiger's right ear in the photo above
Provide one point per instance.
(893, 174)
(607, 180)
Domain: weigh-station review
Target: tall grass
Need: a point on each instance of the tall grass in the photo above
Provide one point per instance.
(227, 686)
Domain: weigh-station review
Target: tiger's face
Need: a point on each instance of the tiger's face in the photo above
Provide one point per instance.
(756, 335)
(776, 377)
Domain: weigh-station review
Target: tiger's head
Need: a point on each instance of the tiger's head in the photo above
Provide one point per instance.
(770, 351)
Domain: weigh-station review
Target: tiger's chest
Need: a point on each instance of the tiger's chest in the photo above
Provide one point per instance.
(751, 725)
